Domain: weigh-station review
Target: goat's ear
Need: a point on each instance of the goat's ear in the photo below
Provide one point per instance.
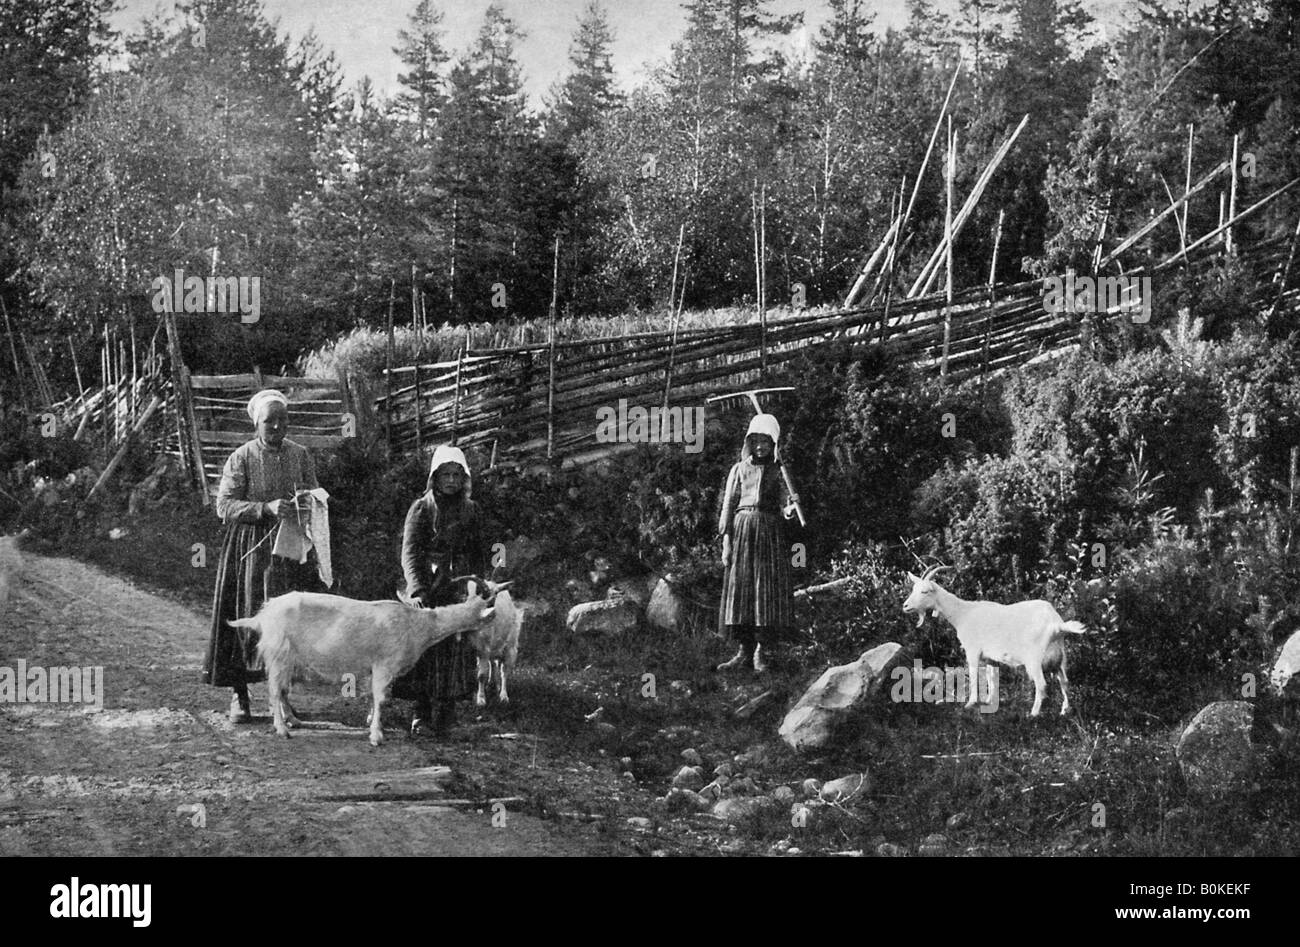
(471, 589)
(915, 579)
(487, 613)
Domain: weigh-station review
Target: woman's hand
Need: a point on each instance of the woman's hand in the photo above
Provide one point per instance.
(283, 509)
(726, 551)
(792, 507)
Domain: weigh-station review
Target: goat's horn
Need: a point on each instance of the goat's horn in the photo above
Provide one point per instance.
(931, 571)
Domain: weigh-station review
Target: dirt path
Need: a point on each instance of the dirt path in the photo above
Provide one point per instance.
(160, 771)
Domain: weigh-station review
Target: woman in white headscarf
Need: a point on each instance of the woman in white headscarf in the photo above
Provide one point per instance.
(441, 541)
(258, 489)
(757, 602)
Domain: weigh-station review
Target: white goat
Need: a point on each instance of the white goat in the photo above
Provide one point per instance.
(497, 645)
(1026, 634)
(332, 634)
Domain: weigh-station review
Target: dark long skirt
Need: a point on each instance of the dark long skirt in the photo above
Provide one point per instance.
(757, 589)
(248, 575)
(447, 671)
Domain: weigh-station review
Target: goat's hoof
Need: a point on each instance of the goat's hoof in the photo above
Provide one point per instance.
(284, 732)
(376, 739)
(480, 701)
(293, 722)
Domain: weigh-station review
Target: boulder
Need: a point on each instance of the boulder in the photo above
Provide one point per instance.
(689, 777)
(846, 788)
(692, 757)
(812, 788)
(520, 554)
(824, 705)
(684, 800)
(664, 611)
(1215, 753)
(933, 846)
(739, 808)
(633, 588)
(1285, 676)
(611, 616)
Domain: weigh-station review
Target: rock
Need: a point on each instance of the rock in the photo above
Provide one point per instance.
(739, 808)
(640, 822)
(664, 611)
(890, 850)
(828, 701)
(742, 787)
(749, 708)
(712, 792)
(692, 757)
(724, 769)
(756, 757)
(846, 788)
(689, 777)
(634, 589)
(625, 762)
(933, 845)
(606, 729)
(1285, 676)
(1178, 818)
(1214, 753)
(957, 820)
(579, 590)
(658, 853)
(627, 777)
(812, 788)
(684, 800)
(783, 795)
(608, 617)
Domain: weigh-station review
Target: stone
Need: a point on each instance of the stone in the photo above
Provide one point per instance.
(846, 788)
(664, 611)
(756, 757)
(689, 777)
(890, 850)
(684, 800)
(742, 787)
(739, 808)
(640, 822)
(1285, 676)
(612, 616)
(812, 788)
(724, 769)
(712, 792)
(520, 554)
(783, 794)
(828, 701)
(957, 820)
(692, 757)
(932, 846)
(635, 589)
(1215, 753)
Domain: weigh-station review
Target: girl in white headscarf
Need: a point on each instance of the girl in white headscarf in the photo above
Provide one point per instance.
(441, 541)
(757, 603)
(257, 490)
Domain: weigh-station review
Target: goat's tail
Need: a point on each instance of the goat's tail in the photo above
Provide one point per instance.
(251, 623)
(1074, 627)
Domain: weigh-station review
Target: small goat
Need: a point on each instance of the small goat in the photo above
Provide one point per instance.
(1026, 634)
(332, 634)
(497, 645)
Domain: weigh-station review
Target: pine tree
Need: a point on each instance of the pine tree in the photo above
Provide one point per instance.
(588, 93)
(422, 52)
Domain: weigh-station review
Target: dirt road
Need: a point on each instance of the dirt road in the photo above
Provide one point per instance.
(159, 770)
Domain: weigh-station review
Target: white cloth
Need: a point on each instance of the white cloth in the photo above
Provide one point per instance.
(446, 454)
(259, 402)
(763, 424)
(293, 540)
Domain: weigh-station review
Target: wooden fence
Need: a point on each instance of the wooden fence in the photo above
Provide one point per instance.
(320, 415)
(528, 402)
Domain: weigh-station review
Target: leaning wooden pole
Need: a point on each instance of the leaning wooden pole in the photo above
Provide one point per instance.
(550, 353)
(388, 362)
(993, 298)
(1228, 245)
(947, 239)
(13, 350)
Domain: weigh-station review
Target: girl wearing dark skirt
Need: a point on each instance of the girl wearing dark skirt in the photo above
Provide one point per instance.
(257, 491)
(757, 606)
(441, 541)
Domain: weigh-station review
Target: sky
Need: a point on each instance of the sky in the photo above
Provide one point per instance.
(362, 33)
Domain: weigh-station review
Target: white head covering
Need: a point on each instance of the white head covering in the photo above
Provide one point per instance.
(446, 454)
(259, 402)
(763, 424)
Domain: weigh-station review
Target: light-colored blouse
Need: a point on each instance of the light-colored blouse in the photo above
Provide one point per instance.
(256, 474)
(752, 486)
